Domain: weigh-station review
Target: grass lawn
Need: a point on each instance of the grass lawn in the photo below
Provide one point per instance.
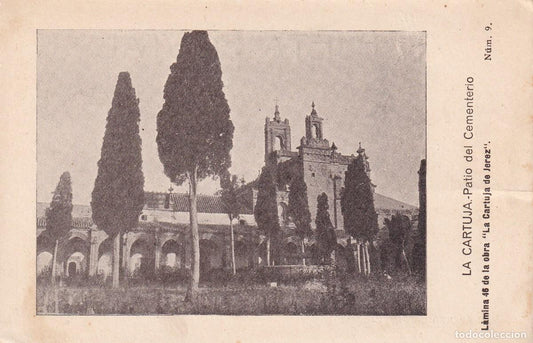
(349, 296)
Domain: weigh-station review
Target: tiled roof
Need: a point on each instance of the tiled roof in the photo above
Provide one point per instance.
(77, 222)
(205, 203)
(179, 202)
(81, 215)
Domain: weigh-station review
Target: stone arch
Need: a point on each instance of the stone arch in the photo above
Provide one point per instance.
(83, 235)
(292, 253)
(314, 254)
(44, 261)
(340, 257)
(75, 264)
(211, 256)
(207, 236)
(172, 254)
(40, 231)
(243, 255)
(105, 258)
(292, 239)
(171, 236)
(75, 252)
(291, 250)
(45, 244)
(262, 254)
(142, 256)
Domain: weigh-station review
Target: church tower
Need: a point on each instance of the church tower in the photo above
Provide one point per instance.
(313, 125)
(277, 135)
(314, 134)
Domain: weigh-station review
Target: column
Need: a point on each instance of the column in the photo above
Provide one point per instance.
(93, 253)
(182, 256)
(126, 254)
(157, 252)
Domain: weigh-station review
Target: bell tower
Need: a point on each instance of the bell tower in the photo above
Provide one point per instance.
(314, 134)
(277, 135)
(313, 125)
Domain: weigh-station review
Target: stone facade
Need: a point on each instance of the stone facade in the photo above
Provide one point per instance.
(324, 170)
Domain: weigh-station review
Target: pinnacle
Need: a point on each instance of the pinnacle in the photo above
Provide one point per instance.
(313, 112)
(276, 113)
(361, 149)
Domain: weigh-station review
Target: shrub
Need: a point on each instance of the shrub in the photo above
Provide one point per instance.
(45, 275)
(172, 276)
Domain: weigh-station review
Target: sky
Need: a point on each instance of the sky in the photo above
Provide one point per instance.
(368, 86)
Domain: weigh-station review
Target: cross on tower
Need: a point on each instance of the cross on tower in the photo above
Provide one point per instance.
(276, 112)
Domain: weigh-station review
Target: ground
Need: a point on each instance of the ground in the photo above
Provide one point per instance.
(349, 296)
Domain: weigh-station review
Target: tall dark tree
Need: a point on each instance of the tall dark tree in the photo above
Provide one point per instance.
(357, 204)
(419, 249)
(266, 207)
(230, 186)
(59, 215)
(325, 232)
(399, 227)
(118, 195)
(194, 130)
(299, 209)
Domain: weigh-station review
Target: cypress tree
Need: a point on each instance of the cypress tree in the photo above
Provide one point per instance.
(118, 195)
(325, 232)
(266, 207)
(194, 130)
(357, 205)
(399, 227)
(419, 249)
(299, 209)
(59, 215)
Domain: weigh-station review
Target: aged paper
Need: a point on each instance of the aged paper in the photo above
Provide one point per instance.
(464, 71)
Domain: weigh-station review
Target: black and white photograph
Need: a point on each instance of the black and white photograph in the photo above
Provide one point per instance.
(250, 173)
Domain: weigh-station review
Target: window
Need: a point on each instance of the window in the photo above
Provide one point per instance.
(144, 217)
(278, 143)
(316, 131)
